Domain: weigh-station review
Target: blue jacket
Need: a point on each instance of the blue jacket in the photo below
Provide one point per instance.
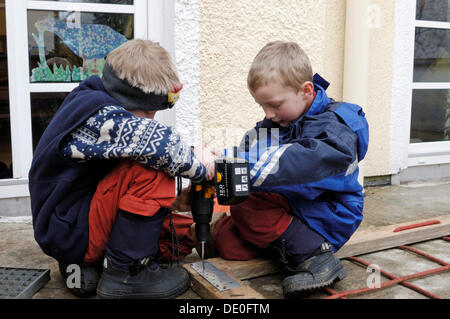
(314, 164)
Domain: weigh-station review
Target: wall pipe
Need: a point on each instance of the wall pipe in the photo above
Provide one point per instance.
(356, 57)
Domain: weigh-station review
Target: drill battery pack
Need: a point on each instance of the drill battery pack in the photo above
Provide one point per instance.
(232, 181)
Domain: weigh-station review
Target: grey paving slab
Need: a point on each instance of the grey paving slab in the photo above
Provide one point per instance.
(390, 205)
(438, 248)
(437, 284)
(399, 262)
(268, 286)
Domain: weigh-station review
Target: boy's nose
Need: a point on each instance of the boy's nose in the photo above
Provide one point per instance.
(269, 115)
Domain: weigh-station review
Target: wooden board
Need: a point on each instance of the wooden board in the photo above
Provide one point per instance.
(367, 241)
(362, 242)
(243, 270)
(207, 291)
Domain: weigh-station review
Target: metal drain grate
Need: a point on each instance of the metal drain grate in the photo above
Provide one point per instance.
(21, 283)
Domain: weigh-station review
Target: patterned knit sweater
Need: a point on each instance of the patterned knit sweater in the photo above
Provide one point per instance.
(114, 132)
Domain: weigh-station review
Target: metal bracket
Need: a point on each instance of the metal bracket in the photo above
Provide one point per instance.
(214, 275)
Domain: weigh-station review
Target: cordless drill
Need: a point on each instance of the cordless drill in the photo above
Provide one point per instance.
(231, 181)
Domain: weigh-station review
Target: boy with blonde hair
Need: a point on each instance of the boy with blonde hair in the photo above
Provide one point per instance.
(102, 179)
(305, 199)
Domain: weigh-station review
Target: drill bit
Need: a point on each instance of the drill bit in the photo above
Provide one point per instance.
(203, 255)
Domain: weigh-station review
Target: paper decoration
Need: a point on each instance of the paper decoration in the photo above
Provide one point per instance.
(91, 42)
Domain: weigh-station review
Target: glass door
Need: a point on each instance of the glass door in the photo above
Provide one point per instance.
(430, 116)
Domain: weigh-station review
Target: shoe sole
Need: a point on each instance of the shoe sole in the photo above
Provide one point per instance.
(297, 290)
(168, 295)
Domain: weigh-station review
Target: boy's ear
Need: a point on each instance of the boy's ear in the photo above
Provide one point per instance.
(308, 87)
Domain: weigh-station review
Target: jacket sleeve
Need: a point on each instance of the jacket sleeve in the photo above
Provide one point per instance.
(115, 133)
(320, 148)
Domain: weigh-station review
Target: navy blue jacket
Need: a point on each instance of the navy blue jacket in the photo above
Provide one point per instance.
(314, 164)
(89, 133)
(60, 188)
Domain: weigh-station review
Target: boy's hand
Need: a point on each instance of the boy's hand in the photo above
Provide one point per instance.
(207, 157)
(182, 202)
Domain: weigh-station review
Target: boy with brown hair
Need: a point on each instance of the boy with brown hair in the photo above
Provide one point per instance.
(306, 201)
(102, 179)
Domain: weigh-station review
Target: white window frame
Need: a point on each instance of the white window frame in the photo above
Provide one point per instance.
(153, 19)
(430, 153)
(161, 16)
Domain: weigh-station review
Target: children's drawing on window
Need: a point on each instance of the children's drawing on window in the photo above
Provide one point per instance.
(90, 42)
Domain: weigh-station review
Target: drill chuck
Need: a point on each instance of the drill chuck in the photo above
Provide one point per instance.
(202, 231)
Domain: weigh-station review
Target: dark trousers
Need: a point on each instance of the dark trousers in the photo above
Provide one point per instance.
(260, 221)
(134, 237)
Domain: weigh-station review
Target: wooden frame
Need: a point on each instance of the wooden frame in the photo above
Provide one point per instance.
(2, 44)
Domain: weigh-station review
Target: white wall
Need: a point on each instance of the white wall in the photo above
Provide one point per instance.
(186, 33)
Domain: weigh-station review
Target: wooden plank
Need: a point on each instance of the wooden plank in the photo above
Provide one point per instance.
(362, 242)
(248, 269)
(367, 241)
(205, 290)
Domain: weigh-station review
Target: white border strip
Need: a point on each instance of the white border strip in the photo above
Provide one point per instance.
(431, 86)
(429, 153)
(52, 87)
(12, 191)
(81, 7)
(16, 219)
(432, 24)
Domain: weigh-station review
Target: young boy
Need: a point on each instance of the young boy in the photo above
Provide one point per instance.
(101, 180)
(306, 201)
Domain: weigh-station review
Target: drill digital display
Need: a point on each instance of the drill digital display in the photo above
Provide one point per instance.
(232, 181)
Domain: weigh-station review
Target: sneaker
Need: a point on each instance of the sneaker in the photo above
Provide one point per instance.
(317, 272)
(89, 277)
(144, 279)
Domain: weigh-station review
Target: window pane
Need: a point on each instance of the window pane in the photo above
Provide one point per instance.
(433, 10)
(5, 123)
(43, 107)
(430, 118)
(432, 55)
(96, 1)
(71, 46)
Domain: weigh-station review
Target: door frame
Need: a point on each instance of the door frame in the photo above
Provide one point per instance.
(404, 154)
(429, 153)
